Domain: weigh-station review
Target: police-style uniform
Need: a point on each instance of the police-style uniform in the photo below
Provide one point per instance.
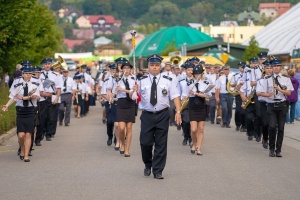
(251, 117)
(226, 99)
(155, 93)
(264, 117)
(239, 115)
(66, 100)
(109, 83)
(125, 106)
(47, 109)
(87, 79)
(276, 108)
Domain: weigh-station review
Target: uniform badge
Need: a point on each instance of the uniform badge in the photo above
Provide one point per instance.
(164, 92)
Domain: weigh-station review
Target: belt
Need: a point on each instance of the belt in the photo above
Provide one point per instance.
(67, 93)
(156, 112)
(277, 104)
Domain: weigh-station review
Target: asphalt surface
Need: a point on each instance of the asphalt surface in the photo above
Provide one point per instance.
(78, 164)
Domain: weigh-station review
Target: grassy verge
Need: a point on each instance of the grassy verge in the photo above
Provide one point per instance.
(7, 119)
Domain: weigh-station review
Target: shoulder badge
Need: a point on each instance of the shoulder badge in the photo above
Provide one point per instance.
(105, 80)
(132, 78)
(143, 77)
(235, 74)
(35, 83)
(181, 80)
(206, 82)
(54, 73)
(16, 85)
(167, 77)
(266, 77)
(34, 77)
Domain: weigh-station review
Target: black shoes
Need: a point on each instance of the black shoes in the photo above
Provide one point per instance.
(265, 144)
(147, 171)
(21, 157)
(228, 126)
(26, 160)
(278, 154)
(60, 123)
(193, 151)
(109, 141)
(48, 138)
(29, 154)
(250, 138)
(122, 152)
(19, 152)
(158, 176)
(126, 155)
(258, 138)
(184, 142)
(117, 148)
(67, 124)
(237, 128)
(38, 144)
(199, 154)
(272, 153)
(190, 141)
(104, 121)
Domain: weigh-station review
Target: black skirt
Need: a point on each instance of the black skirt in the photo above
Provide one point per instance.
(197, 112)
(79, 100)
(25, 119)
(126, 110)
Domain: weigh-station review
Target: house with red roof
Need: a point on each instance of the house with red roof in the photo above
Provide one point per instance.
(101, 24)
(273, 10)
(71, 43)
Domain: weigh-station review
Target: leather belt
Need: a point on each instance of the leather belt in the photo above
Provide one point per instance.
(156, 112)
(67, 93)
(277, 104)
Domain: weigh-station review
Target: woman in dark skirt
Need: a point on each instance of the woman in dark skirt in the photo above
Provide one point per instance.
(197, 108)
(25, 93)
(125, 108)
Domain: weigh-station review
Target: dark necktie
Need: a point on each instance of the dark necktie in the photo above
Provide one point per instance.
(277, 83)
(153, 98)
(197, 100)
(127, 88)
(46, 75)
(65, 85)
(77, 86)
(25, 102)
(226, 82)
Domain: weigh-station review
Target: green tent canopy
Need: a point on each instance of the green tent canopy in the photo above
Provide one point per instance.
(157, 41)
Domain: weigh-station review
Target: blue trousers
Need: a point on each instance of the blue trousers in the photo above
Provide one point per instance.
(226, 101)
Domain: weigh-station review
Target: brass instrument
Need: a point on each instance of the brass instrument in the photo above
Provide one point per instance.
(175, 60)
(60, 63)
(184, 103)
(232, 90)
(250, 99)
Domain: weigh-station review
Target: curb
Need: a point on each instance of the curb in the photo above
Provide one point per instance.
(7, 136)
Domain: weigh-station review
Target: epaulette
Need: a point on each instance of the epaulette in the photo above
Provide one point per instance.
(35, 83)
(132, 77)
(266, 77)
(143, 77)
(18, 85)
(105, 80)
(248, 71)
(34, 77)
(235, 74)
(206, 82)
(285, 75)
(54, 73)
(167, 77)
(181, 80)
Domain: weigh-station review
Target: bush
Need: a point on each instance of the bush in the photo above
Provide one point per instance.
(7, 119)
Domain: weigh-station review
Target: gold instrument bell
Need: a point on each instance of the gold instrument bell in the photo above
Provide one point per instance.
(60, 63)
(175, 60)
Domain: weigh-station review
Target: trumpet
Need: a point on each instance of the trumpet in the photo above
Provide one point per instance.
(184, 103)
(175, 60)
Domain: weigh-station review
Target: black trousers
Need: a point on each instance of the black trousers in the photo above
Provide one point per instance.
(251, 120)
(154, 131)
(212, 108)
(186, 126)
(49, 118)
(111, 116)
(277, 119)
(258, 115)
(240, 113)
(42, 121)
(264, 118)
(55, 119)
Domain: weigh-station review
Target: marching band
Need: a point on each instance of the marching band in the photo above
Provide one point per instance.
(198, 93)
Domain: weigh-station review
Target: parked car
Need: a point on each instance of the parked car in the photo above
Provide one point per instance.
(71, 65)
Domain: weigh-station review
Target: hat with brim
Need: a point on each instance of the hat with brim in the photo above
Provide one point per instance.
(126, 64)
(26, 69)
(198, 70)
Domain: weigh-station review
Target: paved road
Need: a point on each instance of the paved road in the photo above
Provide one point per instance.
(78, 164)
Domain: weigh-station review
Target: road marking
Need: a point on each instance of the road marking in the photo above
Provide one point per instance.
(3, 151)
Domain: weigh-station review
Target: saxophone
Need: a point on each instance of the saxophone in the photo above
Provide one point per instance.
(250, 99)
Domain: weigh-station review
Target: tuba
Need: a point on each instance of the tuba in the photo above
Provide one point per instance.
(175, 60)
(232, 90)
(250, 99)
(60, 63)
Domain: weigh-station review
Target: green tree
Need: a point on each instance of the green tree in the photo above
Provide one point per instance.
(252, 50)
(28, 31)
(96, 7)
(68, 30)
(56, 5)
(169, 48)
